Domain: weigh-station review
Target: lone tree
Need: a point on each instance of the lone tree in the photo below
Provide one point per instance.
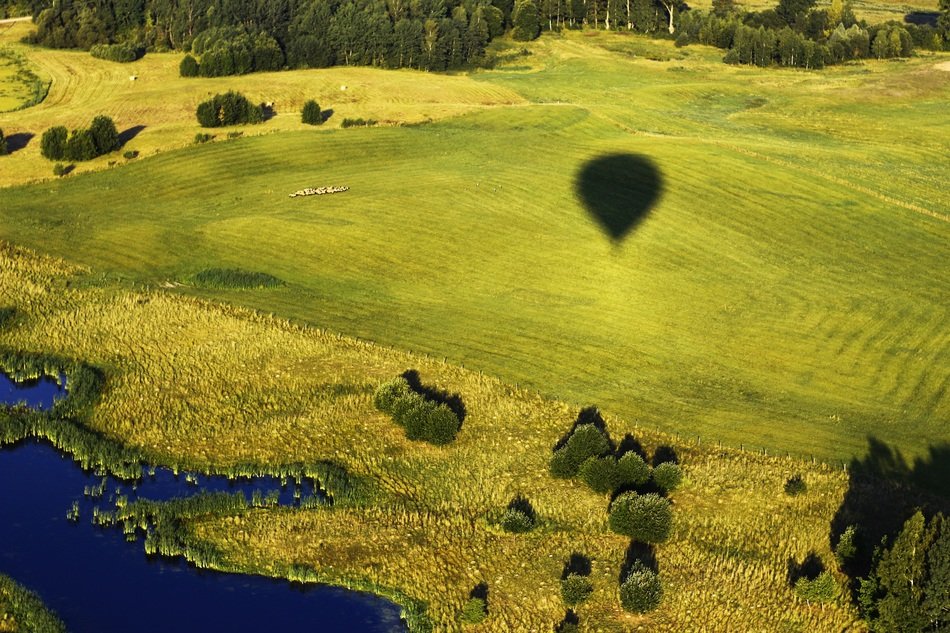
(641, 591)
(575, 589)
(311, 113)
(647, 518)
(104, 135)
(188, 67)
(53, 143)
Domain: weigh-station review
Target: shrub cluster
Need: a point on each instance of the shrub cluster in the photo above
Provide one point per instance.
(234, 278)
(586, 442)
(422, 419)
(358, 122)
(646, 518)
(820, 590)
(795, 486)
(101, 137)
(230, 108)
(123, 53)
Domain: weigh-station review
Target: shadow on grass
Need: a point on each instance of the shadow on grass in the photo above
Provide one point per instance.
(128, 134)
(16, 142)
(638, 552)
(619, 191)
(587, 415)
(577, 564)
(884, 490)
(452, 400)
(326, 114)
(810, 568)
(922, 18)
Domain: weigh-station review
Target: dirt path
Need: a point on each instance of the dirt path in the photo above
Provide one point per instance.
(13, 20)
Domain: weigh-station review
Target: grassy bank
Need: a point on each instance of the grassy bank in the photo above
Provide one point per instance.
(784, 288)
(187, 380)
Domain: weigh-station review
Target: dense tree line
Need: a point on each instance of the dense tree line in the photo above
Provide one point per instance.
(101, 137)
(238, 36)
(122, 52)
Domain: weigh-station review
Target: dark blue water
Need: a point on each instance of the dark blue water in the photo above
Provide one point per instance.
(97, 582)
(36, 394)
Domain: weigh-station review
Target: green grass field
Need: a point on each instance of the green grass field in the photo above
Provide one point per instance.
(787, 290)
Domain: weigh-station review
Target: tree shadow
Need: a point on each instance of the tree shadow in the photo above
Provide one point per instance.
(452, 400)
(16, 142)
(884, 490)
(267, 111)
(630, 444)
(619, 191)
(809, 568)
(569, 623)
(664, 454)
(922, 18)
(7, 315)
(577, 564)
(480, 591)
(130, 133)
(325, 115)
(638, 552)
(522, 505)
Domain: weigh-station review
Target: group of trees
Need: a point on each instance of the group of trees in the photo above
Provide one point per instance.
(421, 417)
(230, 108)
(796, 33)
(101, 137)
(908, 588)
(638, 507)
(122, 52)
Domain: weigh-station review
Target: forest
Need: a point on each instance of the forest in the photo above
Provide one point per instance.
(232, 37)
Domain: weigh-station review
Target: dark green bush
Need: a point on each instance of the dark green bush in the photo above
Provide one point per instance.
(632, 470)
(600, 473)
(81, 146)
(516, 521)
(795, 486)
(474, 611)
(202, 137)
(668, 476)
(130, 154)
(847, 547)
(61, 170)
(311, 114)
(358, 122)
(647, 518)
(188, 67)
(104, 135)
(53, 143)
(575, 589)
(389, 393)
(641, 591)
(230, 108)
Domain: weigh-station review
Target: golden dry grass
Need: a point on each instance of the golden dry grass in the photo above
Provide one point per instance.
(194, 382)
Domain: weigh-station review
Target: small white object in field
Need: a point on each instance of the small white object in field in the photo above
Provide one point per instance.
(133, 77)
(343, 87)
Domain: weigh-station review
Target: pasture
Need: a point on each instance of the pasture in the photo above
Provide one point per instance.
(783, 286)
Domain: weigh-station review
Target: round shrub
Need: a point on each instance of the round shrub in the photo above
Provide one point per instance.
(311, 114)
(561, 465)
(668, 476)
(600, 473)
(474, 611)
(647, 518)
(585, 442)
(632, 470)
(641, 591)
(60, 170)
(576, 589)
(188, 67)
(388, 393)
(53, 143)
(795, 486)
(516, 521)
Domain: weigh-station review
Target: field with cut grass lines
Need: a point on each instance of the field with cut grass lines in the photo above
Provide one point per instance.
(785, 288)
